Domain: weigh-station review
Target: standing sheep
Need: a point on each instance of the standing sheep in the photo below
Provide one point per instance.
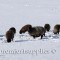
(56, 29)
(36, 31)
(47, 27)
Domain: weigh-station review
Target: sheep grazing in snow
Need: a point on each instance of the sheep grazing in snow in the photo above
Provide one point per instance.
(25, 28)
(56, 29)
(9, 36)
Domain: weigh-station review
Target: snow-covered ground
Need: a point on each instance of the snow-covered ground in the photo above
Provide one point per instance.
(17, 13)
(25, 47)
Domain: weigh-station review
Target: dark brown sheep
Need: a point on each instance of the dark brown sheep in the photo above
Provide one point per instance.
(9, 35)
(47, 27)
(36, 31)
(13, 29)
(24, 28)
(56, 29)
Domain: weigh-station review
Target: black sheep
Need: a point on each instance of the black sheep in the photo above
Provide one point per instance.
(47, 27)
(36, 31)
(24, 28)
(13, 29)
(9, 36)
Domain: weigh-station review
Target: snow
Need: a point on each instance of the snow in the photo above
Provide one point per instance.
(25, 47)
(17, 13)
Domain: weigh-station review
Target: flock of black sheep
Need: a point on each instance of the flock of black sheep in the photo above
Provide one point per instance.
(32, 31)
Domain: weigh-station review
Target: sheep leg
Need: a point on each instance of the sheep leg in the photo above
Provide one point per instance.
(58, 32)
(34, 37)
(41, 36)
(44, 34)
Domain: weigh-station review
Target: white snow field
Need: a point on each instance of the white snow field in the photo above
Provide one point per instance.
(24, 47)
(17, 13)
